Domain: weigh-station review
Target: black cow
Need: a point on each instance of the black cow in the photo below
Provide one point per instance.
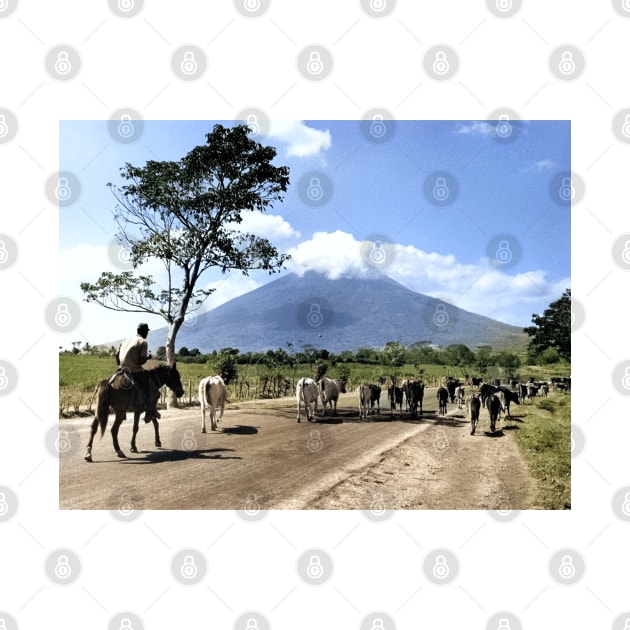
(507, 396)
(494, 408)
(486, 390)
(442, 396)
(395, 395)
(375, 397)
(415, 394)
(474, 405)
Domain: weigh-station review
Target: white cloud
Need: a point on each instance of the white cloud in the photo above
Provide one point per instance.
(302, 140)
(271, 226)
(478, 288)
(477, 127)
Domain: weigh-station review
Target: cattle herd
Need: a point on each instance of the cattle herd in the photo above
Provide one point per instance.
(496, 398)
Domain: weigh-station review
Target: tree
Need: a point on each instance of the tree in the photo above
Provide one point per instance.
(186, 214)
(509, 362)
(552, 329)
(393, 356)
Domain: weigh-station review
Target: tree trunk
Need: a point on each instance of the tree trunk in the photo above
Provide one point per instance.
(174, 326)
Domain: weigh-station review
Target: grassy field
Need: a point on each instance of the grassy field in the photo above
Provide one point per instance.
(79, 375)
(544, 438)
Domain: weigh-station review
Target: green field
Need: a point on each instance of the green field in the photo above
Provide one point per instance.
(79, 375)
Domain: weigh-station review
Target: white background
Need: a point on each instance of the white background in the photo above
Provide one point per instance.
(251, 62)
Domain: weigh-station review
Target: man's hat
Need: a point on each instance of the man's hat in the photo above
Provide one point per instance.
(143, 326)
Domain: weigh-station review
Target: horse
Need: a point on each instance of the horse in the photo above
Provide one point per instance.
(212, 395)
(442, 396)
(122, 395)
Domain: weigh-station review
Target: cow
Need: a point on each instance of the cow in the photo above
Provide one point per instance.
(494, 408)
(306, 393)
(365, 400)
(522, 391)
(212, 394)
(395, 396)
(375, 397)
(507, 396)
(474, 405)
(329, 390)
(486, 390)
(415, 394)
(442, 396)
(451, 385)
(405, 387)
(544, 389)
(532, 390)
(460, 395)
(476, 382)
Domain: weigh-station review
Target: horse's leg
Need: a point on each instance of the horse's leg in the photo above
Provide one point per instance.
(88, 451)
(156, 428)
(120, 416)
(136, 421)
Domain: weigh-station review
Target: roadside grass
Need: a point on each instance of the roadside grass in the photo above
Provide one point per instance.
(544, 438)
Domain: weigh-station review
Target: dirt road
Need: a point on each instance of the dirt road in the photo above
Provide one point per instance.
(260, 458)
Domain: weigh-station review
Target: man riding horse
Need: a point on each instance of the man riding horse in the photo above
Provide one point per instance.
(132, 354)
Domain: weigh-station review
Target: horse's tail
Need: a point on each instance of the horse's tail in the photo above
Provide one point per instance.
(102, 404)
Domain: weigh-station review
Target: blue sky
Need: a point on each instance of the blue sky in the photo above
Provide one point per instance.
(496, 243)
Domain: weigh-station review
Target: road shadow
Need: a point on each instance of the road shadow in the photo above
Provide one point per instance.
(162, 456)
(497, 434)
(240, 429)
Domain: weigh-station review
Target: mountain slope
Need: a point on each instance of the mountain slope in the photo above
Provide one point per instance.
(341, 314)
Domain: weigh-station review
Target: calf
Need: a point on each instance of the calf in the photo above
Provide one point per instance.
(415, 395)
(375, 397)
(507, 396)
(460, 395)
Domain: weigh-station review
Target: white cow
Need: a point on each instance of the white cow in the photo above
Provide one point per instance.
(365, 400)
(212, 394)
(329, 390)
(306, 393)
